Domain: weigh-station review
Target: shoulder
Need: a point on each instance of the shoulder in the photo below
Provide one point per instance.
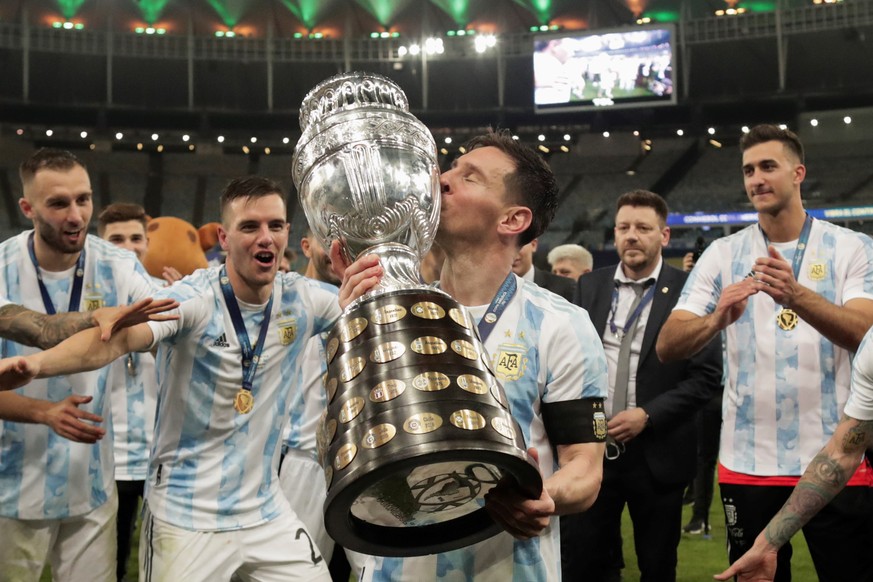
(670, 273)
(14, 246)
(547, 305)
(304, 285)
(844, 235)
(593, 281)
(106, 251)
(198, 284)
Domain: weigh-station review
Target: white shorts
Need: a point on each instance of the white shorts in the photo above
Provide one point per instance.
(79, 549)
(302, 481)
(279, 550)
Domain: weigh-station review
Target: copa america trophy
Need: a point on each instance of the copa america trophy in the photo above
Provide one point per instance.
(417, 428)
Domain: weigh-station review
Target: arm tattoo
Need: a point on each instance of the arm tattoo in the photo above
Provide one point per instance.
(825, 477)
(32, 328)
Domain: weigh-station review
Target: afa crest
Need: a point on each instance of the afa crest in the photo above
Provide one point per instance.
(600, 426)
(817, 272)
(511, 362)
(287, 331)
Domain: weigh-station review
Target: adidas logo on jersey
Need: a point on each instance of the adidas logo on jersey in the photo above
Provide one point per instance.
(221, 342)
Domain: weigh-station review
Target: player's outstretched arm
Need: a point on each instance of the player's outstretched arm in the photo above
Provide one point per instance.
(32, 328)
(113, 319)
(79, 353)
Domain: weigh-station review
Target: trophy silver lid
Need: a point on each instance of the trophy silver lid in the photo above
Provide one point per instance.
(367, 175)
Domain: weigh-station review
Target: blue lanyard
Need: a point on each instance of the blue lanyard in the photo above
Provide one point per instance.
(250, 358)
(78, 279)
(498, 305)
(647, 297)
(801, 244)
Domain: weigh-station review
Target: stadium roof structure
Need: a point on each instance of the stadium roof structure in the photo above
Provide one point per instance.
(209, 65)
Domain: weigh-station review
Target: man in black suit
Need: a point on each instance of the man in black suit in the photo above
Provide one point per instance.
(523, 267)
(651, 446)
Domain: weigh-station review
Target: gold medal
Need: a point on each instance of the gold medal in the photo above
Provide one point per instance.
(243, 401)
(787, 319)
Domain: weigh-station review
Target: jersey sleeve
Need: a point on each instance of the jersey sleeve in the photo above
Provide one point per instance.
(860, 403)
(575, 361)
(704, 284)
(142, 286)
(859, 277)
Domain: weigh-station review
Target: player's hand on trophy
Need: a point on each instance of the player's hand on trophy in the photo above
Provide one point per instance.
(16, 372)
(68, 420)
(523, 518)
(357, 277)
(113, 319)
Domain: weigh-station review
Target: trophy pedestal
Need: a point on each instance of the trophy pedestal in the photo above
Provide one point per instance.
(417, 430)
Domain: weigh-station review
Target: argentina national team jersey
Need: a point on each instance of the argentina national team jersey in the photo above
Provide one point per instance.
(43, 475)
(860, 404)
(543, 349)
(213, 468)
(134, 391)
(784, 390)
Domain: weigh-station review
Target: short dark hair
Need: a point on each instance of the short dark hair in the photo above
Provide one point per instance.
(248, 187)
(643, 198)
(120, 212)
(532, 184)
(48, 159)
(769, 132)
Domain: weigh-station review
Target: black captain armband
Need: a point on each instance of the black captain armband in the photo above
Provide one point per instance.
(575, 421)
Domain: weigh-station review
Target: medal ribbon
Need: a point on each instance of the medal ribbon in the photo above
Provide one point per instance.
(250, 357)
(498, 305)
(647, 297)
(78, 280)
(801, 244)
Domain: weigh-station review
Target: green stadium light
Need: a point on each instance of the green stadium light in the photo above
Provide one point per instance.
(306, 11)
(151, 9)
(384, 11)
(228, 16)
(69, 8)
(298, 35)
(458, 10)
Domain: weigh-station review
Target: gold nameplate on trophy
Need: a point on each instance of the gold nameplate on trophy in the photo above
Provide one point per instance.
(387, 390)
(428, 310)
(378, 436)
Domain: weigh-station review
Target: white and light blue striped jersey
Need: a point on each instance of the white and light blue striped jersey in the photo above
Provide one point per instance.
(308, 400)
(43, 475)
(860, 404)
(4, 301)
(134, 393)
(784, 390)
(542, 349)
(213, 468)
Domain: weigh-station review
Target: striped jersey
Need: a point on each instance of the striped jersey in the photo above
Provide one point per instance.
(43, 475)
(134, 387)
(134, 392)
(860, 404)
(784, 389)
(542, 349)
(308, 400)
(211, 467)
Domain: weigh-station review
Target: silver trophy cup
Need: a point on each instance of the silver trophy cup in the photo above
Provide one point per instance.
(417, 428)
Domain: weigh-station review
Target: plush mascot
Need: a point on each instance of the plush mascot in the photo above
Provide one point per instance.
(208, 234)
(173, 243)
